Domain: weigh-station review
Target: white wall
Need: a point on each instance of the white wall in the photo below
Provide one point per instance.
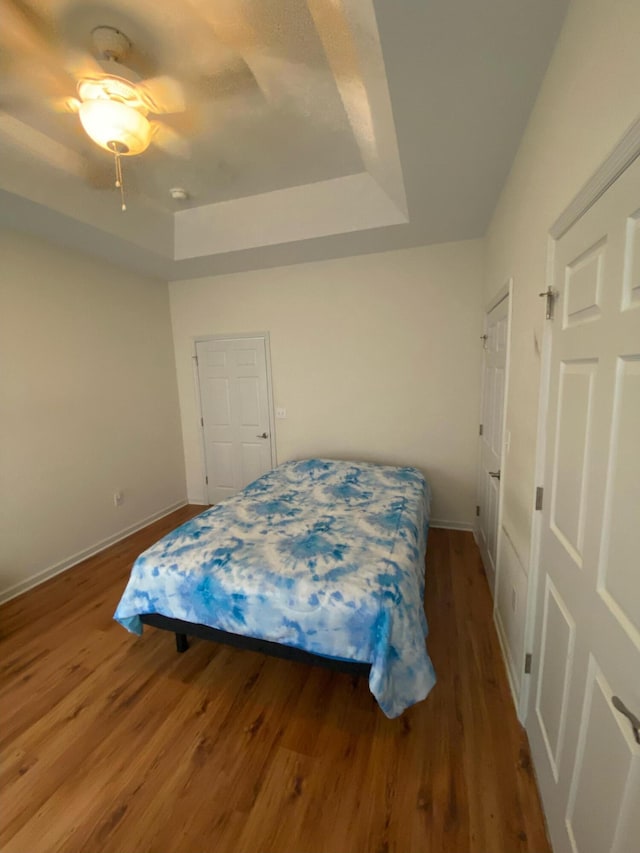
(374, 357)
(88, 404)
(588, 99)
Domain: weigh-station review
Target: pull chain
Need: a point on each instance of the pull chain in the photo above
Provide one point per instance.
(119, 179)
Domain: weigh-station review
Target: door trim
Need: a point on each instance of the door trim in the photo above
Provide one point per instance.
(527, 693)
(617, 162)
(272, 423)
(505, 292)
(622, 156)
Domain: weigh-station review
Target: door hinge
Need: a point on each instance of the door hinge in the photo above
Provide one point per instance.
(206, 479)
(550, 297)
(195, 358)
(202, 422)
(477, 509)
(527, 663)
(539, 496)
(481, 429)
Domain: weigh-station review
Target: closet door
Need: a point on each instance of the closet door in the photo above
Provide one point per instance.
(583, 726)
(494, 373)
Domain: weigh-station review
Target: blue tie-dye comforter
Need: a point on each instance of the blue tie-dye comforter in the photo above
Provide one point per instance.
(322, 555)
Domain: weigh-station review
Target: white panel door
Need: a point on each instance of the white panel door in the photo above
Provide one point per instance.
(493, 390)
(587, 646)
(234, 401)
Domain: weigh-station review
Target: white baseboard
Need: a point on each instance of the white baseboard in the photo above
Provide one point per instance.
(450, 525)
(28, 583)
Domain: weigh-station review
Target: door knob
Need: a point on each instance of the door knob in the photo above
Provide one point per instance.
(495, 474)
(263, 435)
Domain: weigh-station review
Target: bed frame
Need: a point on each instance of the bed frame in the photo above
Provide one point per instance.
(184, 629)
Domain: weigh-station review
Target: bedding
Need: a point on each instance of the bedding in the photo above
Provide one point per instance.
(326, 556)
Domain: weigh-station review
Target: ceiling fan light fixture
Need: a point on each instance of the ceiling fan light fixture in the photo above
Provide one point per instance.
(111, 87)
(115, 127)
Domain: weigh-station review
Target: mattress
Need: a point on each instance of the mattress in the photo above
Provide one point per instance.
(323, 555)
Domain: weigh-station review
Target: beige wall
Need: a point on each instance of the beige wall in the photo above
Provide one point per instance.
(374, 357)
(88, 404)
(589, 97)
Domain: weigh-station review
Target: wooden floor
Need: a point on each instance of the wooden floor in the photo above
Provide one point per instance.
(116, 743)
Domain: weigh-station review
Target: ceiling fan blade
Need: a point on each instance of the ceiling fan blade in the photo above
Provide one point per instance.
(64, 105)
(235, 79)
(162, 95)
(27, 138)
(169, 140)
(34, 83)
(97, 173)
(83, 66)
(26, 37)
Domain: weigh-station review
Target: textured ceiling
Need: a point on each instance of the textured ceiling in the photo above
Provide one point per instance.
(263, 109)
(317, 128)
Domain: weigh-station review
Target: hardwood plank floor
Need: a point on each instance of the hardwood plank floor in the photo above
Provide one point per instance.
(116, 743)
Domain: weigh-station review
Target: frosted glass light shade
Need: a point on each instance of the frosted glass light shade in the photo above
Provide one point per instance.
(107, 121)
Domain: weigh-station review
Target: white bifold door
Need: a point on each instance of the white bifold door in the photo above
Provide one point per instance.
(493, 391)
(236, 416)
(583, 722)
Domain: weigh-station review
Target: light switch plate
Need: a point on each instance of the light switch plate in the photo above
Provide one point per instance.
(281, 414)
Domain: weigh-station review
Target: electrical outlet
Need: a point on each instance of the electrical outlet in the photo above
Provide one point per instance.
(118, 498)
(281, 414)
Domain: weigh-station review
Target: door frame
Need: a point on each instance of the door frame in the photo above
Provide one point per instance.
(505, 292)
(196, 381)
(613, 167)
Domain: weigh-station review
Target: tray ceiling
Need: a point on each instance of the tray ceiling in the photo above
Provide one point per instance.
(316, 128)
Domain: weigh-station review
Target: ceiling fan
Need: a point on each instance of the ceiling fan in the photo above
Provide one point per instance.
(112, 100)
(115, 106)
(97, 61)
(113, 103)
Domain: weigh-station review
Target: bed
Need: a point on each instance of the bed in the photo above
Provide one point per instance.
(318, 557)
